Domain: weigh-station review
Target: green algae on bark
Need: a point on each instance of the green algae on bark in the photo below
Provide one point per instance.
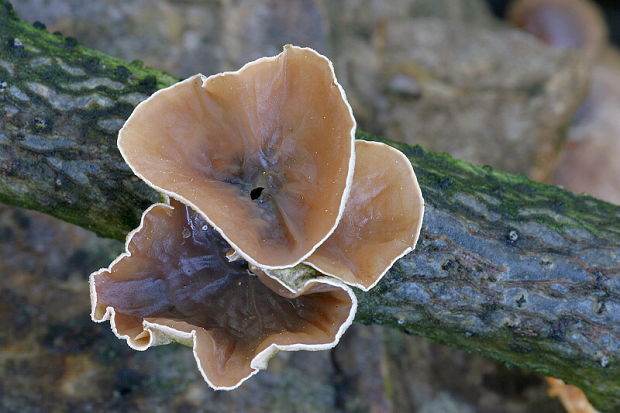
(520, 272)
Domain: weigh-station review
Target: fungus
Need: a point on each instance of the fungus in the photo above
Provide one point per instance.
(381, 221)
(259, 165)
(566, 24)
(265, 154)
(174, 283)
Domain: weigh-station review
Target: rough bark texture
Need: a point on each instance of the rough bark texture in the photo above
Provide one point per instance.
(62, 106)
(516, 271)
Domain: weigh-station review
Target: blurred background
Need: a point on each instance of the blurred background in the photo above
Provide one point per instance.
(456, 76)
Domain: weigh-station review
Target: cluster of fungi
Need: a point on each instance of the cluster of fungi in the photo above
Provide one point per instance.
(272, 208)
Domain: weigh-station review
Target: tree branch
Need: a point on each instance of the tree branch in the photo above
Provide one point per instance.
(520, 272)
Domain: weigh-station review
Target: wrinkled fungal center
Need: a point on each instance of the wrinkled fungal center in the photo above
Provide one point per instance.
(282, 124)
(258, 175)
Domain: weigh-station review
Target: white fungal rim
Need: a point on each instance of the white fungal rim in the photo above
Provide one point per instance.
(348, 182)
(169, 334)
(406, 250)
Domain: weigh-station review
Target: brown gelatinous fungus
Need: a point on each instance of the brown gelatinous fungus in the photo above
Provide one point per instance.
(265, 154)
(175, 283)
(567, 24)
(381, 221)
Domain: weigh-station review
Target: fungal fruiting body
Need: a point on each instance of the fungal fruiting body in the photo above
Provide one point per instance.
(381, 221)
(175, 283)
(270, 215)
(265, 154)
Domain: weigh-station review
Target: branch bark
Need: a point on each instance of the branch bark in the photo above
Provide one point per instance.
(517, 271)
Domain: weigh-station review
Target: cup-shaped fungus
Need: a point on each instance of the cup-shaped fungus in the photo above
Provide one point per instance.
(566, 24)
(265, 154)
(175, 283)
(261, 168)
(381, 221)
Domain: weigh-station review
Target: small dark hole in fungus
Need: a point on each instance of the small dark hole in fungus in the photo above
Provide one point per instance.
(256, 193)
